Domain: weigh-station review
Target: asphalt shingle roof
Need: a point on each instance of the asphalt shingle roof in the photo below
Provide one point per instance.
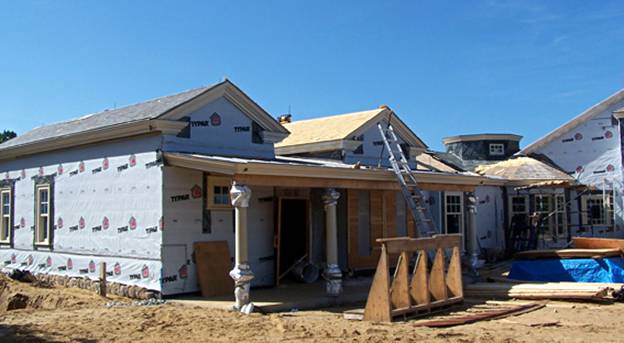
(150, 109)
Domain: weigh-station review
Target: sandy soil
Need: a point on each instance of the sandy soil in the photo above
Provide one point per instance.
(87, 319)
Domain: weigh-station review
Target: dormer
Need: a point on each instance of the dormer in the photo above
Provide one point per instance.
(483, 147)
(351, 137)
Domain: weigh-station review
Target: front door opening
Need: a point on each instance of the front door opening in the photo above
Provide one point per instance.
(292, 234)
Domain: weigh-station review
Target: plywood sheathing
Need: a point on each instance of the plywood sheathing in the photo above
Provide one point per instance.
(523, 168)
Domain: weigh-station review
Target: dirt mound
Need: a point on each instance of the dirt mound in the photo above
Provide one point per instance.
(16, 295)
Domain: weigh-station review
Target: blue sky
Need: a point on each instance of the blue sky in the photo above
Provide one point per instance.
(447, 68)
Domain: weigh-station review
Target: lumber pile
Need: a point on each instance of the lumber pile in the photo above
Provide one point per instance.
(597, 243)
(569, 253)
(540, 291)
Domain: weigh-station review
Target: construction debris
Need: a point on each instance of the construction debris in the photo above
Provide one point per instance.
(568, 253)
(488, 314)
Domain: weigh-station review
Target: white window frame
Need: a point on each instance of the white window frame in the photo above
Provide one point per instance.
(512, 212)
(40, 217)
(608, 209)
(497, 149)
(6, 219)
(460, 212)
(218, 181)
(559, 202)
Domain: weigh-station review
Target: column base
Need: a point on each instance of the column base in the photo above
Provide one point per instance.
(333, 280)
(242, 276)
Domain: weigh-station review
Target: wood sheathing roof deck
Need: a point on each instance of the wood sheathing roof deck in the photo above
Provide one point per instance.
(327, 129)
(523, 168)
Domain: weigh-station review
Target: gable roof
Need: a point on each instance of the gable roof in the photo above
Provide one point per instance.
(576, 121)
(152, 115)
(523, 168)
(341, 127)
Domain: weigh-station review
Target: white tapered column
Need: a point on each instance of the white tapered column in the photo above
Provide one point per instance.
(333, 275)
(242, 274)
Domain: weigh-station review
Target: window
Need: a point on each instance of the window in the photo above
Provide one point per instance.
(256, 133)
(519, 210)
(552, 214)
(454, 212)
(42, 215)
(6, 218)
(597, 209)
(497, 149)
(359, 150)
(219, 192)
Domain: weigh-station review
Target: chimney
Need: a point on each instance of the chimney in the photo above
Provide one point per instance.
(285, 118)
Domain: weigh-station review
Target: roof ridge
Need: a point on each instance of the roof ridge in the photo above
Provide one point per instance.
(334, 115)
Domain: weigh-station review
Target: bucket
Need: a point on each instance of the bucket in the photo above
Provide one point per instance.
(305, 272)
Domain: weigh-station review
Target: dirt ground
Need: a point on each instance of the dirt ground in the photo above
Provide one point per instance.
(83, 317)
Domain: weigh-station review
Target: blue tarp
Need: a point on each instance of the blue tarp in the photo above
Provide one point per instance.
(575, 270)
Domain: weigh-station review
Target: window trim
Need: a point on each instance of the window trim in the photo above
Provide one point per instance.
(496, 153)
(223, 181)
(461, 211)
(584, 210)
(38, 229)
(9, 237)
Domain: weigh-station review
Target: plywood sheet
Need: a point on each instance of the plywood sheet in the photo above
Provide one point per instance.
(213, 267)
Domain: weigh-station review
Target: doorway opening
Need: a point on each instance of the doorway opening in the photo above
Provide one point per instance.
(292, 234)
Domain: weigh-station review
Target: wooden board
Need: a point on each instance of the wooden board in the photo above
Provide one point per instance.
(597, 243)
(213, 263)
(568, 253)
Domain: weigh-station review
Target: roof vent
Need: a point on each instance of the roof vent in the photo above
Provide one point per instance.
(285, 118)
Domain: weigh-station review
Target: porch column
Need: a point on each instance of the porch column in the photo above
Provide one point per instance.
(474, 236)
(242, 274)
(333, 275)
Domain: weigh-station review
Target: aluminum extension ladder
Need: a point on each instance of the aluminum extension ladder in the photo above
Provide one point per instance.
(409, 186)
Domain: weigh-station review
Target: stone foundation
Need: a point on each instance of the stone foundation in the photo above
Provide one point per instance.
(134, 292)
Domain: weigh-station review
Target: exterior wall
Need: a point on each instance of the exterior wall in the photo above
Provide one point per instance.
(372, 145)
(490, 217)
(107, 208)
(230, 136)
(184, 225)
(591, 152)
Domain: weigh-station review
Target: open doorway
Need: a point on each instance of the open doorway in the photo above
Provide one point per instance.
(292, 234)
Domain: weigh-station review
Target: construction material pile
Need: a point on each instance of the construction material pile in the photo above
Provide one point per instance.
(596, 292)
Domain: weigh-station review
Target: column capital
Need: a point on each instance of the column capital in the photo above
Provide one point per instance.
(240, 195)
(331, 196)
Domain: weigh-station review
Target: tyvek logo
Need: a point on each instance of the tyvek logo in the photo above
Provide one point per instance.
(105, 163)
(132, 160)
(49, 261)
(610, 168)
(105, 223)
(215, 119)
(183, 271)
(59, 223)
(145, 271)
(578, 136)
(196, 192)
(117, 269)
(132, 223)
(29, 260)
(81, 167)
(59, 169)
(70, 264)
(81, 223)
(13, 258)
(608, 134)
(91, 266)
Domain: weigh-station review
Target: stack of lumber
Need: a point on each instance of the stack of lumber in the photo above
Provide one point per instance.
(569, 253)
(540, 291)
(597, 243)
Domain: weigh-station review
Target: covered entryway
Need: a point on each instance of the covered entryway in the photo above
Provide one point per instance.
(292, 234)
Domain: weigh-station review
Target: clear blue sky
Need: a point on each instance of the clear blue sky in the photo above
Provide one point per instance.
(447, 68)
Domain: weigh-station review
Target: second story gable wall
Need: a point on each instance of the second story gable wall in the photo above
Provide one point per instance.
(480, 150)
(591, 151)
(220, 128)
(372, 146)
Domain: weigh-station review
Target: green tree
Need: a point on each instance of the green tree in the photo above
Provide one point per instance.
(6, 135)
